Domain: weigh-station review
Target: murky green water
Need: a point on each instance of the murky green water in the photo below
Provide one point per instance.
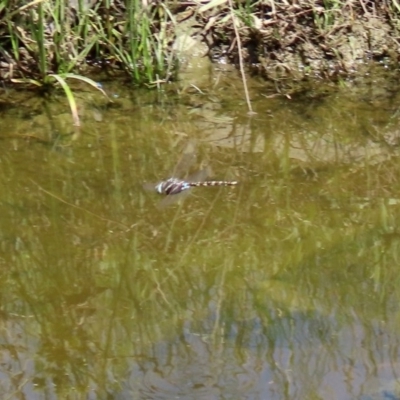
(284, 287)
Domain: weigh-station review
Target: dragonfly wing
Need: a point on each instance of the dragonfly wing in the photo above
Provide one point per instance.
(186, 161)
(200, 176)
(150, 187)
(172, 198)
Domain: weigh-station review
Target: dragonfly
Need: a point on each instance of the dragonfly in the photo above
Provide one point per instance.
(174, 186)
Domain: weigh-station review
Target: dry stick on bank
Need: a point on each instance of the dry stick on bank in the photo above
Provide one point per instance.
(241, 67)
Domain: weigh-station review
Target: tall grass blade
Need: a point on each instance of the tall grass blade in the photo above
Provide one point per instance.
(70, 98)
(40, 41)
(88, 81)
(27, 81)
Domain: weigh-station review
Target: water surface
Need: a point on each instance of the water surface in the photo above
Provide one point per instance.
(284, 287)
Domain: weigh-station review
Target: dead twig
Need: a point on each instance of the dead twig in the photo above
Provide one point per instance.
(241, 66)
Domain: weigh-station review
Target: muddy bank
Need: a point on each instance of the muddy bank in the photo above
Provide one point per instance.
(300, 39)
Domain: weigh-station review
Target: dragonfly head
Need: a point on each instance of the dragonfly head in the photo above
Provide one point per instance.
(160, 188)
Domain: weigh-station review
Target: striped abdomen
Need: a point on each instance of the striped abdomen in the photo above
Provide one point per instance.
(213, 183)
(175, 186)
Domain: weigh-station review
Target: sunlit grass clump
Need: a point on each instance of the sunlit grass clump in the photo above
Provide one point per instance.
(48, 44)
(41, 39)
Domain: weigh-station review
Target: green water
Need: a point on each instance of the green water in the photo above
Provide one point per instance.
(284, 287)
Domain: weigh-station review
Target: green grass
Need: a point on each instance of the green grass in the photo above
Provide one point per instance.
(40, 39)
(47, 43)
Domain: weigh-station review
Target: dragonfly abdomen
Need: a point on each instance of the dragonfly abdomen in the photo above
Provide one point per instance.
(212, 183)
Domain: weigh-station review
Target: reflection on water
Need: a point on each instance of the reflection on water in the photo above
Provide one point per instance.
(284, 287)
